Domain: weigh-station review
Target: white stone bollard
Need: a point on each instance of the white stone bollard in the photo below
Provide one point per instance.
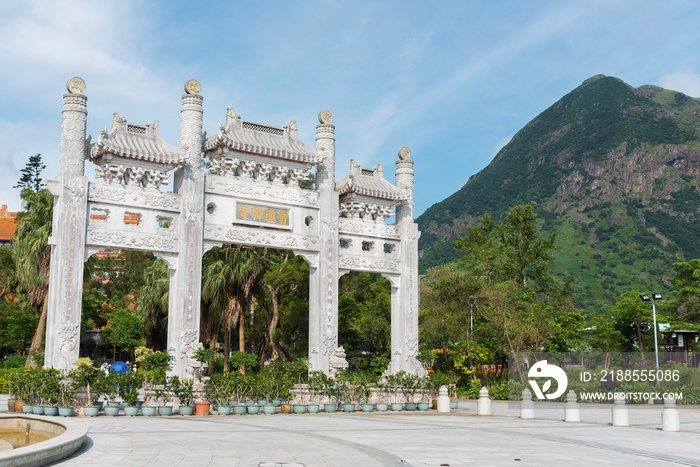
(670, 418)
(572, 412)
(527, 407)
(620, 413)
(483, 405)
(443, 401)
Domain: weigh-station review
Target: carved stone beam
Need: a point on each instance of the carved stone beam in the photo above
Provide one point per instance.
(246, 168)
(262, 172)
(111, 173)
(229, 167)
(133, 176)
(154, 179)
(278, 174)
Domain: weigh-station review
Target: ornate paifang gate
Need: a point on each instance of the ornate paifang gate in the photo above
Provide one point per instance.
(254, 200)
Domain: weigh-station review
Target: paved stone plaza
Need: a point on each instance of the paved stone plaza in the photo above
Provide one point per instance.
(392, 439)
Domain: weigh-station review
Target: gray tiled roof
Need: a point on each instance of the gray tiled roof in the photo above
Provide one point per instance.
(265, 140)
(369, 182)
(135, 142)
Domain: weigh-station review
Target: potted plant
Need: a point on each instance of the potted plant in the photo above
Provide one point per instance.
(85, 376)
(19, 386)
(409, 386)
(423, 384)
(316, 386)
(202, 404)
(393, 385)
(108, 385)
(34, 383)
(381, 392)
(157, 386)
(267, 385)
(15, 381)
(50, 390)
(346, 390)
(363, 385)
(68, 388)
(184, 391)
(452, 388)
(285, 383)
(329, 390)
(129, 385)
(250, 385)
(219, 392)
(239, 388)
(299, 368)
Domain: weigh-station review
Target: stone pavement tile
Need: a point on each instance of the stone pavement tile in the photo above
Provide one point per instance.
(402, 439)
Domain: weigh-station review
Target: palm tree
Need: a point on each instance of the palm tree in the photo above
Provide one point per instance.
(153, 303)
(230, 275)
(33, 256)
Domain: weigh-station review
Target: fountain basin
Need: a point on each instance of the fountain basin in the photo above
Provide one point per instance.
(51, 440)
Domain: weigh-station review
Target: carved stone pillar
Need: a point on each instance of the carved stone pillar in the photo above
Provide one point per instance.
(68, 235)
(404, 306)
(325, 148)
(404, 299)
(404, 180)
(324, 353)
(186, 278)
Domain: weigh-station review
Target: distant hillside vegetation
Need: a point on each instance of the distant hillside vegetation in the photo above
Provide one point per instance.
(613, 169)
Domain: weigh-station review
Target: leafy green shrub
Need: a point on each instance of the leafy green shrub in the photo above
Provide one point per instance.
(13, 361)
(6, 375)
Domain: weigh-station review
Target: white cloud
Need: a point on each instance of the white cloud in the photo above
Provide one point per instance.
(687, 82)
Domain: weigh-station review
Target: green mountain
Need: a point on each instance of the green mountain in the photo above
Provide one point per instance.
(612, 169)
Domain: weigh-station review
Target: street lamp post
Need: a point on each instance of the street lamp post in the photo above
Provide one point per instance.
(472, 301)
(653, 298)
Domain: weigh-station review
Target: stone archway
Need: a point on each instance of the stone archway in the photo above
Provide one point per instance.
(253, 199)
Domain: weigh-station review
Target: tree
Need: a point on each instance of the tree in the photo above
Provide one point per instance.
(7, 272)
(153, 303)
(604, 336)
(687, 306)
(33, 254)
(364, 313)
(124, 329)
(524, 252)
(479, 248)
(634, 321)
(513, 250)
(445, 293)
(120, 277)
(31, 174)
(522, 323)
(229, 275)
(16, 326)
(285, 275)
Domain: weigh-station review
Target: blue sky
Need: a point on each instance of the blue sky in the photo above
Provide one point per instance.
(452, 80)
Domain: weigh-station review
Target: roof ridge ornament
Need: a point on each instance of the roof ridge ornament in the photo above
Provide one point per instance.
(325, 117)
(192, 86)
(75, 85)
(404, 153)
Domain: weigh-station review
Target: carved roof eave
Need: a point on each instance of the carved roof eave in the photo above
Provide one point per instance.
(122, 145)
(242, 140)
(371, 188)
